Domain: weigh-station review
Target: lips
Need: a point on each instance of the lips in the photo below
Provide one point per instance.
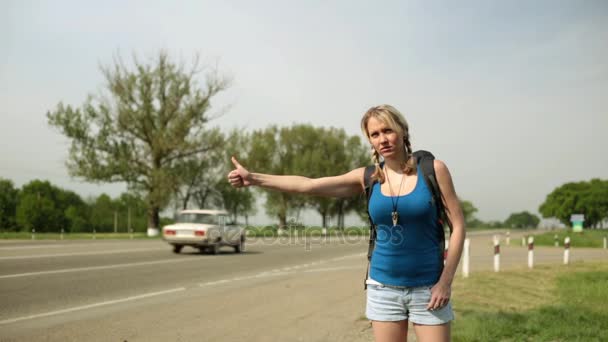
(386, 149)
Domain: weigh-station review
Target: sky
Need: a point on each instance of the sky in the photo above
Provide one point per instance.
(511, 95)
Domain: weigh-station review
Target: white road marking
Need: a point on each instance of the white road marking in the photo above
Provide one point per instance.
(81, 269)
(90, 306)
(328, 269)
(19, 247)
(131, 250)
(290, 270)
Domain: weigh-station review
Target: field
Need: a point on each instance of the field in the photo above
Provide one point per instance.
(70, 236)
(551, 303)
(588, 238)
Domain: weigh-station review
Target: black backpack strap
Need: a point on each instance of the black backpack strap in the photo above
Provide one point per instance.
(369, 188)
(426, 163)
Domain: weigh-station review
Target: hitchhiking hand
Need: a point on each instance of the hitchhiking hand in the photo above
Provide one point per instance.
(239, 177)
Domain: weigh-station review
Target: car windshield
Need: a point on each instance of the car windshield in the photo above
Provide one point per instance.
(196, 218)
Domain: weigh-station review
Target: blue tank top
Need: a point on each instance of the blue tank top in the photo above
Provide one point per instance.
(407, 254)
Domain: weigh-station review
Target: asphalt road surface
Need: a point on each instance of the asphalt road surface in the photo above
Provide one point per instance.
(278, 290)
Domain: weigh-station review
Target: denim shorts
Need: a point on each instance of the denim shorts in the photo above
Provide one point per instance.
(396, 303)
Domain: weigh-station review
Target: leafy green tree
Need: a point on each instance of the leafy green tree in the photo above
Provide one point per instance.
(323, 155)
(469, 210)
(75, 212)
(238, 202)
(39, 213)
(131, 208)
(522, 219)
(587, 198)
(9, 197)
(150, 120)
(77, 218)
(356, 155)
(46, 207)
(102, 213)
(276, 151)
(42, 206)
(198, 174)
(495, 224)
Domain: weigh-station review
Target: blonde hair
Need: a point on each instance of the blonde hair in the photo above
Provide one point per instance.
(390, 116)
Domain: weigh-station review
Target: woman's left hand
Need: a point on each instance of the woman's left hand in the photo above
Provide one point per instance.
(440, 296)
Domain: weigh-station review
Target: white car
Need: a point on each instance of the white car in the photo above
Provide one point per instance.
(204, 229)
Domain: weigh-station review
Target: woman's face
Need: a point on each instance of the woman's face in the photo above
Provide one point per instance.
(387, 141)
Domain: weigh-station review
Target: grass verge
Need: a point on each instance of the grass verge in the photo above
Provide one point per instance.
(72, 236)
(550, 303)
(588, 238)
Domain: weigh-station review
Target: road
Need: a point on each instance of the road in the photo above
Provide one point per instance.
(279, 289)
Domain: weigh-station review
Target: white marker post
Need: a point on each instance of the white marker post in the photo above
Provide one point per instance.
(567, 250)
(555, 238)
(445, 251)
(605, 242)
(33, 234)
(531, 252)
(496, 254)
(61, 234)
(523, 241)
(466, 258)
(508, 239)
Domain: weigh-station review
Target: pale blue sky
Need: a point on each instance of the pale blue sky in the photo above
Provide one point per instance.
(510, 94)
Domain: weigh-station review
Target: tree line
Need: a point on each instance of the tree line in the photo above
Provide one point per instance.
(44, 207)
(151, 128)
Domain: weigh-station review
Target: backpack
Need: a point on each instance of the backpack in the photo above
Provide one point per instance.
(424, 161)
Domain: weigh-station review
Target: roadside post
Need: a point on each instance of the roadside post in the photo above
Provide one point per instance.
(445, 251)
(605, 242)
(61, 236)
(508, 239)
(33, 233)
(496, 254)
(555, 238)
(531, 252)
(567, 250)
(466, 258)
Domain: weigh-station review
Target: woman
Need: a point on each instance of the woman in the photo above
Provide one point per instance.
(406, 279)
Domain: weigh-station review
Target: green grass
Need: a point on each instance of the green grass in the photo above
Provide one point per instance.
(550, 303)
(71, 236)
(588, 238)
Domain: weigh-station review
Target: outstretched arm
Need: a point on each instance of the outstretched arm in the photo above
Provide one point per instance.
(441, 292)
(348, 184)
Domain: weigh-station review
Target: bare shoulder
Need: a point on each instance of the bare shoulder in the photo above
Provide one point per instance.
(344, 185)
(441, 170)
(356, 175)
(440, 165)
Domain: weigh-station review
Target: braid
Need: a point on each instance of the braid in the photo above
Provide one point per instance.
(410, 164)
(378, 174)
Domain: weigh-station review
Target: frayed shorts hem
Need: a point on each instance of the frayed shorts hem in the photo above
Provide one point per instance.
(391, 304)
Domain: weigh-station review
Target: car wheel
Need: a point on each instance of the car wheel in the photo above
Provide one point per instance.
(240, 248)
(215, 249)
(177, 248)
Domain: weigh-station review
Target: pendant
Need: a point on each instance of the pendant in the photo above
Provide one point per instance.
(395, 216)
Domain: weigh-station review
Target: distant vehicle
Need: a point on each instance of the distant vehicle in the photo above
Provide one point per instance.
(207, 230)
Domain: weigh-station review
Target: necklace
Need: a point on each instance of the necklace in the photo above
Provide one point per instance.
(394, 202)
